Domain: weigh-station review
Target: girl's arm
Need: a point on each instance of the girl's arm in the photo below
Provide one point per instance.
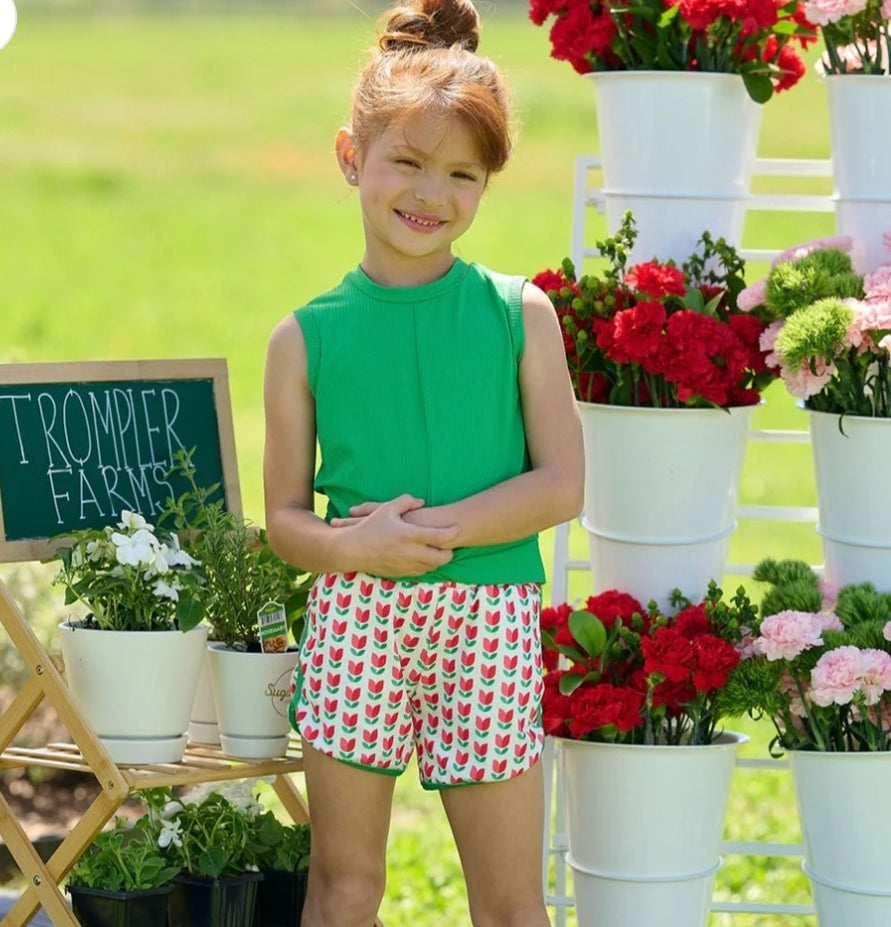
(552, 491)
(385, 543)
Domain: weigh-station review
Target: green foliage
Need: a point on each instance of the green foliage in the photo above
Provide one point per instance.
(242, 572)
(124, 859)
(823, 273)
(794, 585)
(208, 837)
(279, 846)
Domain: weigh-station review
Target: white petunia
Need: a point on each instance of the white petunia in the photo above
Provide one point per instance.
(135, 550)
(171, 832)
(176, 556)
(132, 521)
(165, 591)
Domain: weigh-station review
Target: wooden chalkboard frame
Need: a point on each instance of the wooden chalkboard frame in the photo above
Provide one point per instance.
(85, 372)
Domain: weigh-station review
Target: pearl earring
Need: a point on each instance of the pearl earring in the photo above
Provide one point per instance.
(353, 178)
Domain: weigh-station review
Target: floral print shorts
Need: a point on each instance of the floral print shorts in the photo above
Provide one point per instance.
(448, 669)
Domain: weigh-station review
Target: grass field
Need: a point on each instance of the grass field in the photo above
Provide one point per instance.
(167, 189)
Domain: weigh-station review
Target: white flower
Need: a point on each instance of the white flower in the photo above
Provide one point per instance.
(158, 564)
(170, 833)
(135, 550)
(176, 556)
(96, 550)
(171, 809)
(132, 521)
(166, 591)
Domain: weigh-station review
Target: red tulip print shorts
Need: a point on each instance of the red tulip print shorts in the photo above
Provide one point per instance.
(451, 670)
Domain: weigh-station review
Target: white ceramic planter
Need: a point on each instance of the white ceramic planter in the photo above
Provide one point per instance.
(135, 688)
(251, 692)
(644, 825)
(860, 143)
(853, 497)
(677, 188)
(660, 496)
(845, 824)
(203, 727)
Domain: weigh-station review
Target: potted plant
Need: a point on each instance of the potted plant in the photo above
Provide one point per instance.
(255, 603)
(751, 40)
(132, 661)
(207, 836)
(830, 341)
(281, 852)
(636, 703)
(818, 666)
(123, 879)
(677, 87)
(857, 39)
(660, 356)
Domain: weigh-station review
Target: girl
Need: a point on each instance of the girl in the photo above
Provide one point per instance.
(438, 395)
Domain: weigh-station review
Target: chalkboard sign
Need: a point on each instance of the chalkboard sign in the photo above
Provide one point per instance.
(80, 442)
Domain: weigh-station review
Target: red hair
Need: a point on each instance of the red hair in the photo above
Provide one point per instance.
(427, 64)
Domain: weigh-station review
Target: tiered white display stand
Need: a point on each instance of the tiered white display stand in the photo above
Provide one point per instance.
(586, 196)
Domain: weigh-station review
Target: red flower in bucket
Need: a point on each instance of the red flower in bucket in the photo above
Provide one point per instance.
(617, 672)
(659, 335)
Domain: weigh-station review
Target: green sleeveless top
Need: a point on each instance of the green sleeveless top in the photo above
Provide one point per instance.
(416, 391)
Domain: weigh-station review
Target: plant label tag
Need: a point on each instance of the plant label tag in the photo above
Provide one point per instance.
(272, 621)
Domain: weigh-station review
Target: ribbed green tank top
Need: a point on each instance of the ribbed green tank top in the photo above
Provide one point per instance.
(416, 391)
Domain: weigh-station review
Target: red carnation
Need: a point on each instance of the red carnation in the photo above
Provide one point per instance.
(692, 621)
(604, 705)
(612, 606)
(656, 280)
(554, 706)
(667, 652)
(714, 659)
(637, 333)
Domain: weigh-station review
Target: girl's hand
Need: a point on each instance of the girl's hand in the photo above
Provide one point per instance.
(383, 543)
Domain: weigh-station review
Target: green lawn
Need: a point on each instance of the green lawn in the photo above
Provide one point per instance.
(168, 189)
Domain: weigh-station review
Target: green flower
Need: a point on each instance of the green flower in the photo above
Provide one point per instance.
(817, 331)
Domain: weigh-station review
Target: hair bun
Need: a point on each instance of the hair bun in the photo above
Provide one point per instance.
(431, 23)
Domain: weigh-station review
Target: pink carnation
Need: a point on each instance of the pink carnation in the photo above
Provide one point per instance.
(788, 688)
(824, 12)
(829, 621)
(754, 294)
(886, 9)
(804, 382)
(841, 242)
(875, 673)
(829, 591)
(877, 285)
(746, 646)
(836, 677)
(767, 340)
(785, 635)
(873, 315)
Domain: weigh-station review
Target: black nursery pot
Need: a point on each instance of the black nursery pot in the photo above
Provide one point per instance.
(280, 898)
(94, 907)
(214, 902)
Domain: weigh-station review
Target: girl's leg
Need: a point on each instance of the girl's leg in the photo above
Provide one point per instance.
(350, 810)
(498, 828)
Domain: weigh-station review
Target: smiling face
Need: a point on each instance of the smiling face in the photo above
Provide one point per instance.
(420, 183)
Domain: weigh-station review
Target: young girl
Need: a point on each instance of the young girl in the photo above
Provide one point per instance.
(438, 394)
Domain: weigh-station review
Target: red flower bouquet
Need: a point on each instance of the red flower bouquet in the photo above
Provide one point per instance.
(635, 676)
(746, 37)
(658, 335)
